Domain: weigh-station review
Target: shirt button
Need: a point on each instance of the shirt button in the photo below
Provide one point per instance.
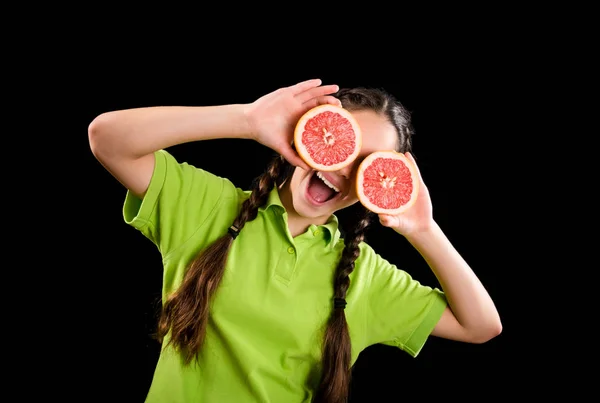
(317, 232)
(291, 250)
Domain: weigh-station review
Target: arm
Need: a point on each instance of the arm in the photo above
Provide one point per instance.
(472, 316)
(124, 141)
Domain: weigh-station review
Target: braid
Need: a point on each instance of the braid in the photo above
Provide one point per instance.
(337, 348)
(335, 381)
(260, 190)
(350, 254)
(185, 313)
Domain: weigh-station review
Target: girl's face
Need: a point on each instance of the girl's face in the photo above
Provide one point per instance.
(311, 192)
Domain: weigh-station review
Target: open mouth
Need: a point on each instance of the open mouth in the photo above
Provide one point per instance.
(320, 190)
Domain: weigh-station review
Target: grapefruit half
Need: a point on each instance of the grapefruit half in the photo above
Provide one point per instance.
(387, 182)
(327, 138)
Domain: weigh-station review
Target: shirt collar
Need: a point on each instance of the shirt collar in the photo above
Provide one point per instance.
(331, 227)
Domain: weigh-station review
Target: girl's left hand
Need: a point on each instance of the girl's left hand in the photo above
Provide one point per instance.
(416, 219)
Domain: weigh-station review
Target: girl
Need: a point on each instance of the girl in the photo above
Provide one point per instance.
(263, 299)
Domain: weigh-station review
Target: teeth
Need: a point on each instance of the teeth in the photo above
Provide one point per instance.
(320, 175)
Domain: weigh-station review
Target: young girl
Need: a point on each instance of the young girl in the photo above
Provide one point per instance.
(263, 299)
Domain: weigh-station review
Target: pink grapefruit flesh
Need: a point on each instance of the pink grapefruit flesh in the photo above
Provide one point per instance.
(327, 138)
(387, 182)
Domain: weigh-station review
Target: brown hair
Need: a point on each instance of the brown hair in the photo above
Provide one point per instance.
(185, 313)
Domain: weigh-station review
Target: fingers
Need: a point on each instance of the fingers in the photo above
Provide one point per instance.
(305, 85)
(412, 159)
(421, 181)
(316, 92)
(327, 99)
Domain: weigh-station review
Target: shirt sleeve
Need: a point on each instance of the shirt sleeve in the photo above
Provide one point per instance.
(402, 311)
(178, 201)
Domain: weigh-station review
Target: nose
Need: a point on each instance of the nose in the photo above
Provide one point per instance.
(346, 172)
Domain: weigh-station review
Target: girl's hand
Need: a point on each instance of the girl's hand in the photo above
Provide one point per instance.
(272, 118)
(416, 219)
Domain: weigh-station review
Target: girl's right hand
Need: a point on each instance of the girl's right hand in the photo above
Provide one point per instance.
(272, 118)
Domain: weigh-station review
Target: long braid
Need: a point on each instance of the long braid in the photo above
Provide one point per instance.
(185, 313)
(337, 351)
(337, 348)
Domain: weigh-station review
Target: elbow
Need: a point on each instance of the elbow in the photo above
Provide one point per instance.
(487, 333)
(98, 131)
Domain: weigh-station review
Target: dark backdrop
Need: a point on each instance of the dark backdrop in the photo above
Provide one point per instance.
(457, 104)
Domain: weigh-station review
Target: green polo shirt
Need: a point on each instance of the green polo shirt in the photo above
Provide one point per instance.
(263, 342)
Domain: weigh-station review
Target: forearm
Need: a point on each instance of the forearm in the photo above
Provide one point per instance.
(133, 133)
(469, 300)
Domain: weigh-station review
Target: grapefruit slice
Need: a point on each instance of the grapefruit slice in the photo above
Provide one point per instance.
(327, 138)
(387, 182)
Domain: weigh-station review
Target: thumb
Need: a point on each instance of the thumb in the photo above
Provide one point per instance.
(386, 220)
(293, 158)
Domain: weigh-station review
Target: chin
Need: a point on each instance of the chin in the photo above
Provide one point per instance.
(304, 209)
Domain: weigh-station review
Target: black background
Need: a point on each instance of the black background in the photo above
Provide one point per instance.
(459, 96)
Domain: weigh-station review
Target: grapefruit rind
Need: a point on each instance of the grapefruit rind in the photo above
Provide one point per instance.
(302, 150)
(360, 180)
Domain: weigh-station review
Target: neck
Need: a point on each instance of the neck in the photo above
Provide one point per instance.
(297, 224)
